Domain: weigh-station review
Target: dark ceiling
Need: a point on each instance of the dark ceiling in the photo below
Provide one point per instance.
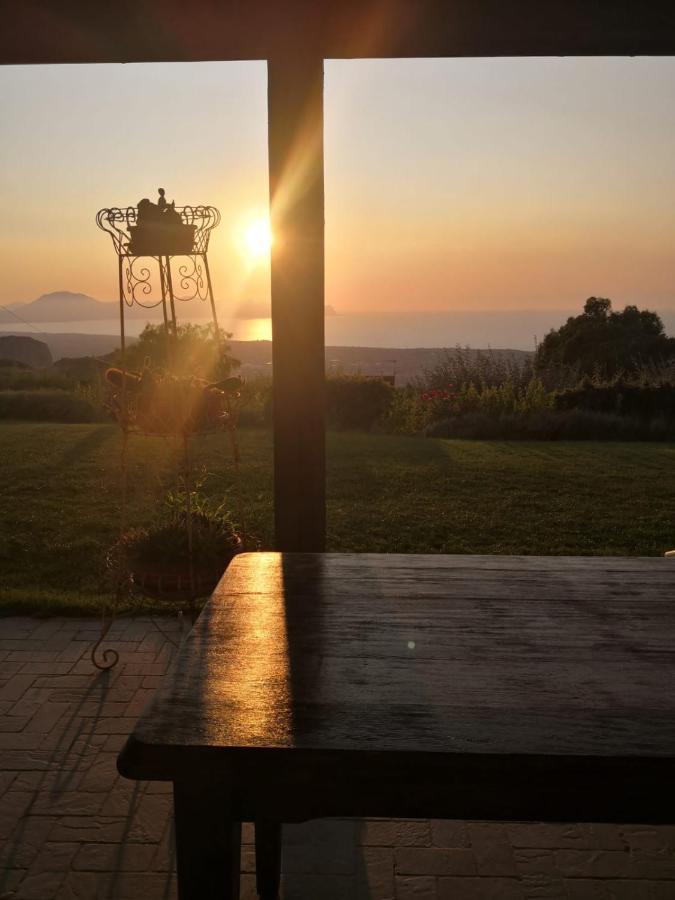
(40, 31)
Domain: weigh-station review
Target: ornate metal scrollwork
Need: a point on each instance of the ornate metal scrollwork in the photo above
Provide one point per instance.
(148, 278)
(162, 258)
(139, 285)
(117, 221)
(109, 656)
(191, 279)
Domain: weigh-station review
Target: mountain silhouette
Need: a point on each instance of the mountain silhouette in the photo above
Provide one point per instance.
(65, 306)
(68, 306)
(59, 306)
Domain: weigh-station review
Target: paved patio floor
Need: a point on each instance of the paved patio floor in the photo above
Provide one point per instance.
(70, 827)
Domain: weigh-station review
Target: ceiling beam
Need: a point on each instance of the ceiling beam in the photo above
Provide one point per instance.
(81, 31)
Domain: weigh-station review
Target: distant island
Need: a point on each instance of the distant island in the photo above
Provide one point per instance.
(64, 306)
(68, 306)
(406, 342)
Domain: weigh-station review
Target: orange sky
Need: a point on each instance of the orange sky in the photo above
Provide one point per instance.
(450, 184)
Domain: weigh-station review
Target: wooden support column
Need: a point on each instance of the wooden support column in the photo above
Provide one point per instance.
(295, 106)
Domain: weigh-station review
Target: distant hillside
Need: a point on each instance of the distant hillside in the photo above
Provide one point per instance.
(406, 364)
(60, 306)
(70, 345)
(256, 356)
(27, 350)
(66, 306)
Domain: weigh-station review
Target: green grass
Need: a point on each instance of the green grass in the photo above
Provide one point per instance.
(60, 499)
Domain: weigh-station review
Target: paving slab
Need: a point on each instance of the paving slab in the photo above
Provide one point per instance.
(72, 829)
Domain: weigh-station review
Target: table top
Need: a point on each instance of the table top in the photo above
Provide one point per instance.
(358, 653)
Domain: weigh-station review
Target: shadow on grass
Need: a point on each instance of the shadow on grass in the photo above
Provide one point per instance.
(93, 440)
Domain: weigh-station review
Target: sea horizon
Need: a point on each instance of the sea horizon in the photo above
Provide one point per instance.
(516, 330)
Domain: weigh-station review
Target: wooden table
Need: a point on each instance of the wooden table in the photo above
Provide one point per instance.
(486, 687)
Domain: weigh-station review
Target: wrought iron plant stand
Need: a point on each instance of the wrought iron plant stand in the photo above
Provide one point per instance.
(162, 262)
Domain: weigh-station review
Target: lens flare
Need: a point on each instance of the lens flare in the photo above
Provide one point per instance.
(258, 238)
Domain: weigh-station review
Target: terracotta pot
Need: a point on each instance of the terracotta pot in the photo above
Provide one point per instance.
(170, 583)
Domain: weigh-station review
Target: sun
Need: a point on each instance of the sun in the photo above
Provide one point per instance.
(258, 238)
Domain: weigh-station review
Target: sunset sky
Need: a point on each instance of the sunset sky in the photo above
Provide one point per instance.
(450, 184)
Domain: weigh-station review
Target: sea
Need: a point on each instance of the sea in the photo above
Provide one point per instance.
(516, 330)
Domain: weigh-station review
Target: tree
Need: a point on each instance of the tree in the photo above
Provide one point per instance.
(194, 350)
(605, 343)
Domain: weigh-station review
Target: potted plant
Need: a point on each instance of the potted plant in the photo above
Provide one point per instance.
(181, 557)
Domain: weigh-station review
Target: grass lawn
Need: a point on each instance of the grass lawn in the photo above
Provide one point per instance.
(60, 499)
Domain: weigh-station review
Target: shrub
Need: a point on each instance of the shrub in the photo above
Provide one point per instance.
(464, 366)
(81, 369)
(620, 397)
(357, 402)
(49, 406)
(193, 350)
(473, 426)
(413, 412)
(554, 425)
(408, 413)
(18, 377)
(256, 406)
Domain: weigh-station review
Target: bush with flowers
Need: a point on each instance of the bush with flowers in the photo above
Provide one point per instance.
(416, 411)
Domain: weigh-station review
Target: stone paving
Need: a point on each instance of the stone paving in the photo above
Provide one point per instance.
(72, 829)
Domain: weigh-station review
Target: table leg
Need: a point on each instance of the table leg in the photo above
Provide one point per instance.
(268, 859)
(208, 844)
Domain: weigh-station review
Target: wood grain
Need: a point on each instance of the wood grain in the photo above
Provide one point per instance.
(395, 666)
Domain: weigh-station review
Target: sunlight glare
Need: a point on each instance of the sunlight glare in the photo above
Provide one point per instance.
(258, 238)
